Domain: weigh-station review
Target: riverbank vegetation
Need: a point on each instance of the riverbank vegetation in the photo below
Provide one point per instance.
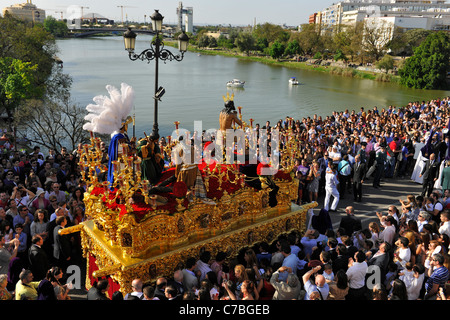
(361, 51)
(35, 104)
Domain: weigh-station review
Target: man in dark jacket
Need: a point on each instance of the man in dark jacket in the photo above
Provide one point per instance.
(349, 222)
(430, 174)
(359, 172)
(381, 259)
(39, 263)
(62, 248)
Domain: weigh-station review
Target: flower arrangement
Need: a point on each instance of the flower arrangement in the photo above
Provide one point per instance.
(179, 189)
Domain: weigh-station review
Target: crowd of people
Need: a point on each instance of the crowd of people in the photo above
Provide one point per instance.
(39, 195)
(404, 255)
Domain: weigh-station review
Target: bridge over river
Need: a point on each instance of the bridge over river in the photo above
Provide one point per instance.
(87, 32)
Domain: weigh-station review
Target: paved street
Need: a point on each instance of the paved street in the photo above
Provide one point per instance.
(374, 200)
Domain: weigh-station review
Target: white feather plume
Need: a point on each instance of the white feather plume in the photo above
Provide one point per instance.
(108, 113)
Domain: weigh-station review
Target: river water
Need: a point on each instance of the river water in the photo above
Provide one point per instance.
(195, 86)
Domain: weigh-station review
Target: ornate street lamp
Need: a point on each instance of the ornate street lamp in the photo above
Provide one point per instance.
(155, 52)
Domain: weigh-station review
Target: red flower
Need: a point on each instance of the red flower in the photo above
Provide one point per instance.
(179, 189)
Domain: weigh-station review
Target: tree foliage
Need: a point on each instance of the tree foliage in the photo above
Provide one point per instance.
(245, 42)
(428, 67)
(386, 63)
(24, 46)
(55, 27)
(34, 92)
(16, 81)
(276, 50)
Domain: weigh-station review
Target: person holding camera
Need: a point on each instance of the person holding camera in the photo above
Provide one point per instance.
(22, 195)
(317, 285)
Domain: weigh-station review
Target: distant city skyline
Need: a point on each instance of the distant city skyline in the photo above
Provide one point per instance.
(234, 12)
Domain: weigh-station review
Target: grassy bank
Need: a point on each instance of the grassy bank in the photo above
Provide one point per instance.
(345, 72)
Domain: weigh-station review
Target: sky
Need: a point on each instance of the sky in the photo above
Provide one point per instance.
(214, 12)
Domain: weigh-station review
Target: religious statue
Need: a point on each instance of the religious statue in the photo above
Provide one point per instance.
(228, 117)
(110, 115)
(115, 148)
(152, 160)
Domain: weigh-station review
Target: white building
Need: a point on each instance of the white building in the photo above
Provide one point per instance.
(408, 14)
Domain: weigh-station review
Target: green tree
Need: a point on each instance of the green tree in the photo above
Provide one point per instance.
(404, 41)
(428, 67)
(276, 50)
(293, 48)
(245, 42)
(203, 41)
(212, 42)
(309, 38)
(349, 41)
(270, 32)
(386, 63)
(225, 42)
(29, 75)
(55, 27)
(340, 55)
(29, 43)
(16, 83)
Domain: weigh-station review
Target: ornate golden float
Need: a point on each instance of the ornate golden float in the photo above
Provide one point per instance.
(128, 235)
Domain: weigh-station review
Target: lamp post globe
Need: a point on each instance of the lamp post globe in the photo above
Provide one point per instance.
(129, 38)
(157, 20)
(183, 42)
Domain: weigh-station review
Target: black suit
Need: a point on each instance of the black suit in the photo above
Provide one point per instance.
(39, 263)
(341, 262)
(359, 172)
(351, 224)
(178, 286)
(429, 172)
(382, 261)
(62, 248)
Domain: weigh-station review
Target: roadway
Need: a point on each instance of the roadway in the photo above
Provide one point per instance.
(374, 200)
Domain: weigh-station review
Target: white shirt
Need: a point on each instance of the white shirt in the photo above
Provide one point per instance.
(405, 255)
(445, 228)
(357, 275)
(330, 180)
(388, 234)
(413, 286)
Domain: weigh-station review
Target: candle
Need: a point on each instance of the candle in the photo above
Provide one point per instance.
(169, 138)
(239, 109)
(176, 124)
(124, 148)
(145, 185)
(97, 143)
(115, 165)
(251, 122)
(121, 182)
(130, 161)
(137, 162)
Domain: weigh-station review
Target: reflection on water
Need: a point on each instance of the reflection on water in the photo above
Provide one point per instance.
(195, 86)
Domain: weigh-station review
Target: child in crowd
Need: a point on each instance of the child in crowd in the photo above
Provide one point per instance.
(328, 273)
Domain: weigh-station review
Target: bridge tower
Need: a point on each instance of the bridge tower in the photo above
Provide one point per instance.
(188, 20)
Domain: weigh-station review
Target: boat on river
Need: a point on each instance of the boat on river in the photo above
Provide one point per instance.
(236, 83)
(293, 81)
